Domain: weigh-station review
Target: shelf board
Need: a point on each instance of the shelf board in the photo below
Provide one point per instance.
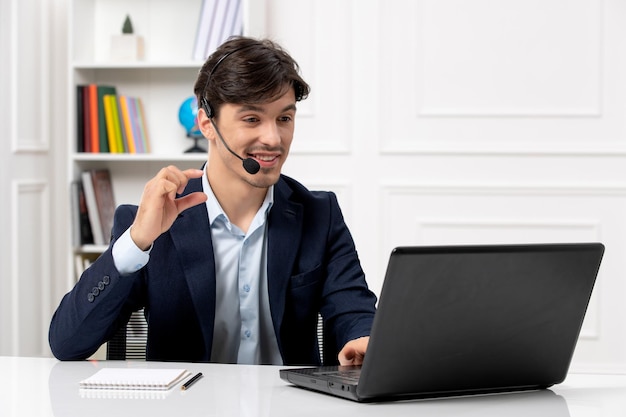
(87, 249)
(78, 65)
(137, 157)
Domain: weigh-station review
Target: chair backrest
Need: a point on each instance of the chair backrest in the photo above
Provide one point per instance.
(130, 341)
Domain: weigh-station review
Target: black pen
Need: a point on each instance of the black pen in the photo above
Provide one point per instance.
(191, 381)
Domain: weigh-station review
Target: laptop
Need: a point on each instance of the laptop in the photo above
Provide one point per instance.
(464, 320)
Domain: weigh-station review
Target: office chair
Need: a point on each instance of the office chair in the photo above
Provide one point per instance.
(129, 343)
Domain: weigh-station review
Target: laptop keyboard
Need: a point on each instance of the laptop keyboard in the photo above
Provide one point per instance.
(348, 376)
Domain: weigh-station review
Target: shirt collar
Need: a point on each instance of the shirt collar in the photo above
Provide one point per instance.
(215, 209)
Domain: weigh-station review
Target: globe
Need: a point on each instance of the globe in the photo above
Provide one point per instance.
(187, 116)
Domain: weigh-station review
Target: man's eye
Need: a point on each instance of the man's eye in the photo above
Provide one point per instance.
(250, 120)
(285, 119)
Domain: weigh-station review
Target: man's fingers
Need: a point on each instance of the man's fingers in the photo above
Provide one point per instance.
(190, 200)
(177, 177)
(353, 352)
(159, 207)
(184, 176)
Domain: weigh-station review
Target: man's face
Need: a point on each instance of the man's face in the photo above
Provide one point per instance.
(261, 131)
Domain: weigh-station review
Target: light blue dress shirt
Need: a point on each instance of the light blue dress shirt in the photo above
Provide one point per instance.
(244, 331)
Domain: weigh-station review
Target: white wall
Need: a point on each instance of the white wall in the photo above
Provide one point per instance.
(439, 121)
(30, 79)
(455, 121)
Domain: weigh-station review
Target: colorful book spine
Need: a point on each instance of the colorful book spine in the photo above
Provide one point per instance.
(103, 139)
(123, 142)
(143, 126)
(100, 203)
(134, 124)
(86, 120)
(119, 137)
(93, 118)
(110, 122)
(80, 118)
(126, 125)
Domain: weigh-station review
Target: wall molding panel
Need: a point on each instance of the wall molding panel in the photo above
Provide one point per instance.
(464, 90)
(471, 213)
(501, 75)
(29, 92)
(30, 276)
(324, 53)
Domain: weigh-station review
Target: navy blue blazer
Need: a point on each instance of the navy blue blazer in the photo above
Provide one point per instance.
(312, 267)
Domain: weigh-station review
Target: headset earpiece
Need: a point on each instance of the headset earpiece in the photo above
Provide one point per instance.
(251, 165)
(204, 103)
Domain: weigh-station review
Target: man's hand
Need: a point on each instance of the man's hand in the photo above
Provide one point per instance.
(159, 206)
(353, 352)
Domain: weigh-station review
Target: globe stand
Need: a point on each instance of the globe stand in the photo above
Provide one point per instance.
(195, 148)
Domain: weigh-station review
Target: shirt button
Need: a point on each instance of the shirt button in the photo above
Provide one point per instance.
(248, 333)
(246, 288)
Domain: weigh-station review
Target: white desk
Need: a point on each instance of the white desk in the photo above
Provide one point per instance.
(47, 387)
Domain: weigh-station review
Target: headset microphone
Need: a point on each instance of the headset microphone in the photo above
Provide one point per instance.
(251, 165)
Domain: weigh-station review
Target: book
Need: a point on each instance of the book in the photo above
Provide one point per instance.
(135, 124)
(100, 203)
(227, 20)
(135, 378)
(92, 209)
(205, 21)
(126, 124)
(82, 261)
(237, 28)
(103, 140)
(143, 126)
(82, 234)
(217, 25)
(86, 120)
(80, 118)
(123, 141)
(229, 27)
(110, 122)
(94, 139)
(119, 138)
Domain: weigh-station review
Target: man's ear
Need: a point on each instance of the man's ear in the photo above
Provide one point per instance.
(205, 125)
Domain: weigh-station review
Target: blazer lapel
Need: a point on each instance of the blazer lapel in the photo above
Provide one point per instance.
(285, 228)
(191, 235)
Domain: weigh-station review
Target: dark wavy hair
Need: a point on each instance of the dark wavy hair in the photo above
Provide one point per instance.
(244, 70)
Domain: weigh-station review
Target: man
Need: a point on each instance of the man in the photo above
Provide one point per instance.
(231, 263)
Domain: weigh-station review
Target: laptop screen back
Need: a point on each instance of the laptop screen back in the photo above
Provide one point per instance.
(471, 319)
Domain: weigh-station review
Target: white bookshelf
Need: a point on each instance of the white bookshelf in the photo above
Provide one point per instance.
(163, 79)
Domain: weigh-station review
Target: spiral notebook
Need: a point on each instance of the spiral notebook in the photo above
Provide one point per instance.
(134, 379)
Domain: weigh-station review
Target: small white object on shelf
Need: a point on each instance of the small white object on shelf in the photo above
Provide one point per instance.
(127, 46)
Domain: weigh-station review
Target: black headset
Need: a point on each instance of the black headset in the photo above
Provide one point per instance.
(210, 112)
(249, 164)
